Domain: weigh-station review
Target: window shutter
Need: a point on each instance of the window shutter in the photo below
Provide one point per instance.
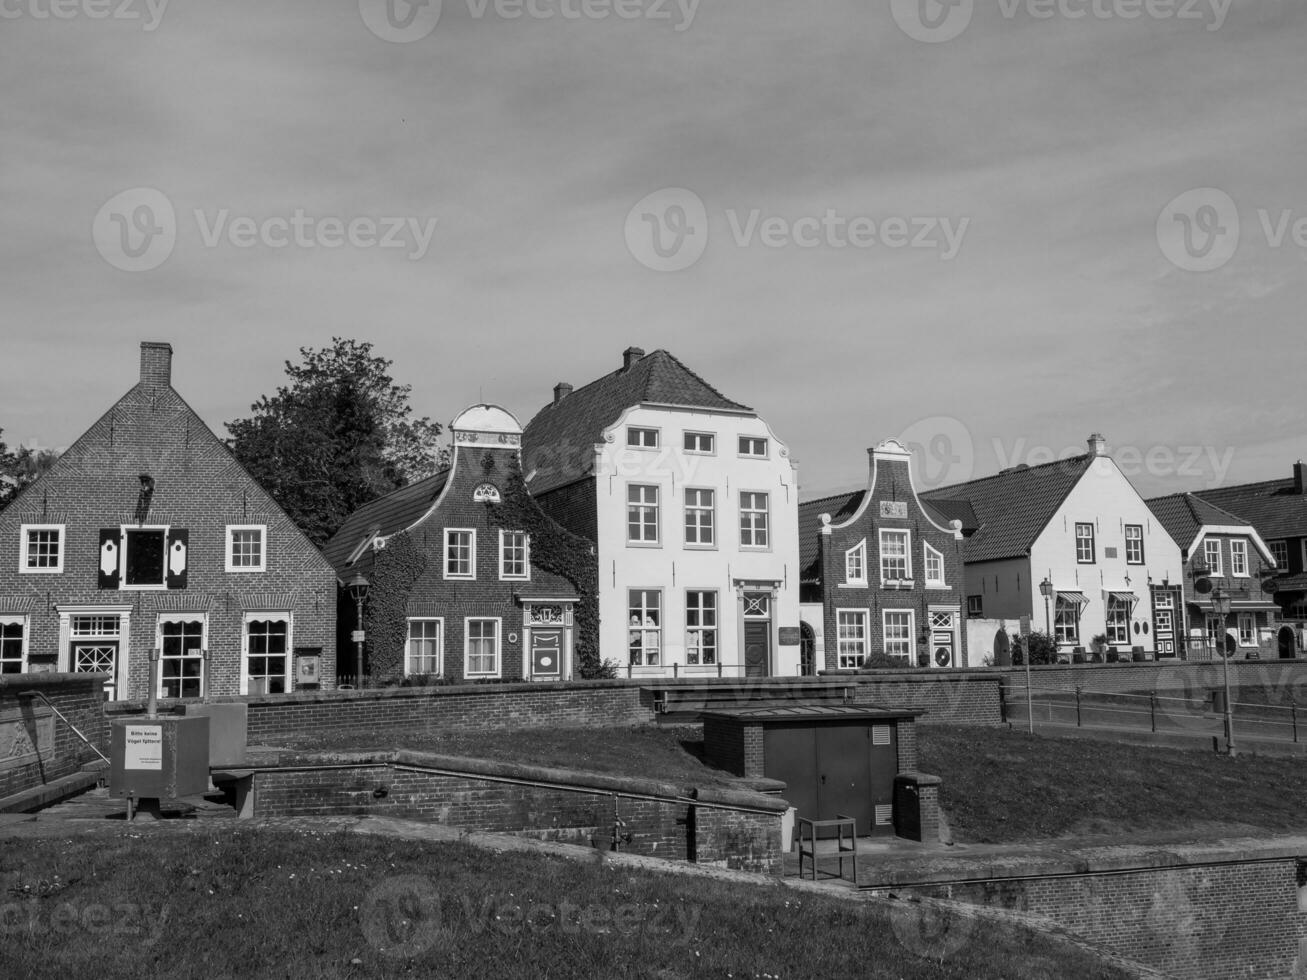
(176, 559)
(110, 549)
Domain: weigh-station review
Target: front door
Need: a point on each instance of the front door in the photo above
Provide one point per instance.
(757, 634)
(807, 650)
(97, 657)
(546, 654)
(1286, 644)
(943, 645)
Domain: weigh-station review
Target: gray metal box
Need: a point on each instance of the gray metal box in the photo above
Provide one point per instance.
(159, 758)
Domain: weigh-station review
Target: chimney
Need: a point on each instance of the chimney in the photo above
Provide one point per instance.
(156, 364)
(1097, 445)
(1300, 478)
(630, 356)
(561, 391)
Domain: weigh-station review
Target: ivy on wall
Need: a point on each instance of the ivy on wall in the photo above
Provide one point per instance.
(396, 570)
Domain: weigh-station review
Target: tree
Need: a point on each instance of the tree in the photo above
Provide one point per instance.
(1043, 650)
(8, 479)
(340, 434)
(19, 469)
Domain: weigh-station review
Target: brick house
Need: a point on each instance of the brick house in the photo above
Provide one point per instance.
(148, 534)
(478, 601)
(882, 573)
(1225, 552)
(1278, 510)
(692, 504)
(1078, 528)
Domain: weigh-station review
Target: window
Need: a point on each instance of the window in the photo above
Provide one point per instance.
(699, 518)
(976, 606)
(1239, 558)
(1066, 621)
(1118, 621)
(1212, 555)
(144, 565)
(1134, 544)
(855, 564)
(646, 620)
(934, 566)
(704, 443)
(1247, 630)
(426, 647)
(700, 628)
(1085, 544)
(514, 555)
(460, 553)
(895, 557)
(43, 551)
(641, 514)
(753, 446)
(1216, 633)
(245, 548)
(753, 520)
(898, 633)
(852, 627)
(13, 645)
(481, 648)
(642, 438)
(181, 657)
(1280, 552)
(267, 653)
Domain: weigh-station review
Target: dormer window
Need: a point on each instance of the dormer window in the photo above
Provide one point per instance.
(1212, 555)
(1239, 559)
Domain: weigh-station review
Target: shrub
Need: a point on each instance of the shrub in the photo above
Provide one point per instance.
(1043, 649)
(880, 660)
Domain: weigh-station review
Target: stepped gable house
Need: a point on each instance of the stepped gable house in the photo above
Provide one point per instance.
(692, 503)
(148, 534)
(475, 602)
(882, 573)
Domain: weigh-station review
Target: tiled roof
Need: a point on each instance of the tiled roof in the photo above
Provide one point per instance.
(558, 444)
(1182, 514)
(840, 507)
(1011, 508)
(385, 516)
(1272, 507)
(1296, 582)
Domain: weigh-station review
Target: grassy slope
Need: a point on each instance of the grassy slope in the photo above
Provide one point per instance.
(224, 902)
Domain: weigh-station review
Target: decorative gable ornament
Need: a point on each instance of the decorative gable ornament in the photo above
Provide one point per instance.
(486, 493)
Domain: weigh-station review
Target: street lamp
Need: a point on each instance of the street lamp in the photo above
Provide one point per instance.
(358, 590)
(1221, 607)
(1046, 590)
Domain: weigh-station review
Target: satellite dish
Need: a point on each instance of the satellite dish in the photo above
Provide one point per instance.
(1202, 586)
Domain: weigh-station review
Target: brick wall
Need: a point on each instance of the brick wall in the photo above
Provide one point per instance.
(60, 752)
(964, 698)
(1180, 678)
(574, 506)
(1212, 921)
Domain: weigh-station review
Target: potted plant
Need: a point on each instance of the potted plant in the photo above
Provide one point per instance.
(1100, 647)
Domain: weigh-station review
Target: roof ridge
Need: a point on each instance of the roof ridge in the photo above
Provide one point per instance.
(697, 377)
(1009, 471)
(832, 496)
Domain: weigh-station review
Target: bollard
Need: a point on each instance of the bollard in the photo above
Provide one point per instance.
(1152, 709)
(1077, 705)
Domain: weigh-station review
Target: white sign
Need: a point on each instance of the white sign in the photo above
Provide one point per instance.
(144, 747)
(893, 508)
(358, 636)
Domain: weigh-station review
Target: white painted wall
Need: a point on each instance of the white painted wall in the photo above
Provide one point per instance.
(676, 568)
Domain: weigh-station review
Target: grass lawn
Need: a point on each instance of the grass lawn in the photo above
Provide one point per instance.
(201, 902)
(1003, 785)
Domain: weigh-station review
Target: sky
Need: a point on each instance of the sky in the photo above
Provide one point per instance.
(987, 229)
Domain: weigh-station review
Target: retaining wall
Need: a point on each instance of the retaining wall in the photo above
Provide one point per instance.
(37, 748)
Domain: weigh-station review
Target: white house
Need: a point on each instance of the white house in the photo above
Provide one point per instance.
(692, 502)
(1078, 528)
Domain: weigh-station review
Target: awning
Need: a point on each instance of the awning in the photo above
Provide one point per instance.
(1128, 598)
(1078, 598)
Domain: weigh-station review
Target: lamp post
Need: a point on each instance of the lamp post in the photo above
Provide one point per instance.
(1046, 590)
(358, 589)
(1221, 607)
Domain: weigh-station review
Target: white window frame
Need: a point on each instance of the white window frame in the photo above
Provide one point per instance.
(525, 575)
(439, 653)
(273, 616)
(1280, 552)
(1116, 624)
(1250, 621)
(1238, 557)
(25, 533)
(907, 554)
(746, 444)
(855, 564)
(696, 436)
(694, 635)
(851, 650)
(911, 639)
(124, 550)
(1139, 541)
(930, 554)
(182, 617)
(979, 611)
(25, 622)
(643, 430)
(643, 628)
(753, 526)
(1073, 633)
(1091, 538)
(467, 646)
(699, 508)
(1212, 546)
(232, 530)
(644, 505)
(471, 574)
